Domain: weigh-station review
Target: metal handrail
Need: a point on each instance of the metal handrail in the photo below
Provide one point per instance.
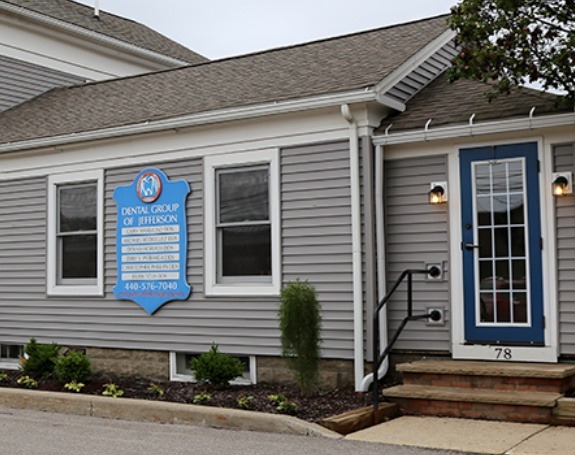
(433, 315)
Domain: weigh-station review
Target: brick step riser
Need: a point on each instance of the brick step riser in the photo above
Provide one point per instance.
(489, 382)
(471, 410)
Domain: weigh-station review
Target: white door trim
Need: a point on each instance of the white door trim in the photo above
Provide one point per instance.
(460, 350)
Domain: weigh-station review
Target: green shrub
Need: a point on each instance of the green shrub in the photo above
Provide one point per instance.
(27, 381)
(156, 390)
(245, 402)
(300, 325)
(112, 390)
(216, 368)
(40, 358)
(287, 407)
(74, 386)
(202, 398)
(74, 366)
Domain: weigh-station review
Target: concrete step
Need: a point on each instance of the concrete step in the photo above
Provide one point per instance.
(564, 412)
(514, 406)
(533, 377)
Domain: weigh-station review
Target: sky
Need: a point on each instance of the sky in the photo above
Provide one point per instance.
(222, 28)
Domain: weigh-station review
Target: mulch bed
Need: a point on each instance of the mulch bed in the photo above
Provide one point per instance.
(325, 403)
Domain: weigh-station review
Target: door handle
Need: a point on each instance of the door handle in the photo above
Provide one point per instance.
(471, 246)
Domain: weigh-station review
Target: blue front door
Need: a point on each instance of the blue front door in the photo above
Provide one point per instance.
(501, 247)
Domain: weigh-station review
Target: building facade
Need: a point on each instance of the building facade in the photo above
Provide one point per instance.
(310, 162)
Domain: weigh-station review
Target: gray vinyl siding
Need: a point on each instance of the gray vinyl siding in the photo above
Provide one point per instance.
(21, 81)
(564, 157)
(416, 234)
(316, 235)
(22, 257)
(316, 246)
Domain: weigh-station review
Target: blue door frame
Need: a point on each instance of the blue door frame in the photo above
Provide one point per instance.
(481, 327)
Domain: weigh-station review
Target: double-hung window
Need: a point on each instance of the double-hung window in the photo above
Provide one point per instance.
(75, 230)
(242, 224)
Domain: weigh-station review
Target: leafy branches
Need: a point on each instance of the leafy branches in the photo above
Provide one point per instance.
(511, 42)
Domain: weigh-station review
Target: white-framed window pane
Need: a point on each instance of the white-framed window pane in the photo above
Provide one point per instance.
(78, 208)
(77, 231)
(10, 355)
(75, 226)
(243, 226)
(79, 256)
(243, 195)
(246, 251)
(242, 223)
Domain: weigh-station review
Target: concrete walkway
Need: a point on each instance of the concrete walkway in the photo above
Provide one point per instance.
(476, 436)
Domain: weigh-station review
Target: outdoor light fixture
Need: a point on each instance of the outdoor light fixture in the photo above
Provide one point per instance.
(562, 184)
(437, 193)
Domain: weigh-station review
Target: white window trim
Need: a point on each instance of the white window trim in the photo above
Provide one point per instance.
(255, 288)
(178, 377)
(53, 288)
(9, 364)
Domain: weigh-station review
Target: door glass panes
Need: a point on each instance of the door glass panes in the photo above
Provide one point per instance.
(501, 257)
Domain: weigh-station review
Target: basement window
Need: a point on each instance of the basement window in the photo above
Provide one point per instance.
(180, 368)
(10, 356)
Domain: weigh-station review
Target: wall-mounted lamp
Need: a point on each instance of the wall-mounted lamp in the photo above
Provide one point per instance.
(437, 193)
(562, 183)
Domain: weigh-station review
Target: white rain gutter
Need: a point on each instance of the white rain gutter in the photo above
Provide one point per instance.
(108, 40)
(475, 129)
(381, 271)
(356, 246)
(202, 118)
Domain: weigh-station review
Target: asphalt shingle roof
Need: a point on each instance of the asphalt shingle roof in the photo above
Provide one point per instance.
(323, 67)
(455, 103)
(110, 25)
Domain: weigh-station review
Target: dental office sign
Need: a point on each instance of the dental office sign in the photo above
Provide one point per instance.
(151, 240)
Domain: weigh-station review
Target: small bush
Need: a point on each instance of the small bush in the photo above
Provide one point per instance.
(74, 386)
(287, 407)
(156, 390)
(276, 399)
(27, 381)
(3, 377)
(202, 398)
(300, 325)
(112, 390)
(216, 368)
(40, 358)
(245, 402)
(74, 366)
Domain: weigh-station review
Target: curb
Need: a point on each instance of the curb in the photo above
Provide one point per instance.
(160, 412)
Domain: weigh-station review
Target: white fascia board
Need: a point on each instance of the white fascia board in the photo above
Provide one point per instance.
(202, 118)
(476, 129)
(104, 39)
(414, 62)
(391, 102)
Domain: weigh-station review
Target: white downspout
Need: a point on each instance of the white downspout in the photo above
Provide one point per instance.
(381, 271)
(358, 345)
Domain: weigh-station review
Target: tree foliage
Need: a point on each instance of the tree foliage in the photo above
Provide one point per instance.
(510, 42)
(300, 325)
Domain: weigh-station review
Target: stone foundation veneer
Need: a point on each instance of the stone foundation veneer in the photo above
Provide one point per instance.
(129, 362)
(333, 373)
(156, 365)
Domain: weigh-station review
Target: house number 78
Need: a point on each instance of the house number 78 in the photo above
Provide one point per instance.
(503, 354)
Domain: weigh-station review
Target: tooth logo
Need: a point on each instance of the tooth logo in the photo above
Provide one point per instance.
(149, 187)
